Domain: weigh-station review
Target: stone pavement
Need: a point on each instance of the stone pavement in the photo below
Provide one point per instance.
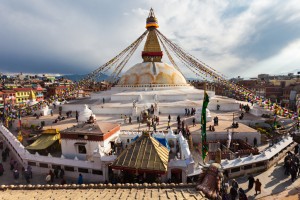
(273, 181)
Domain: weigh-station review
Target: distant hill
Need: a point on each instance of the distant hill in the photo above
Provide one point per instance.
(77, 77)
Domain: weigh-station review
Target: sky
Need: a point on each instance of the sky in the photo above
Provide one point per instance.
(235, 37)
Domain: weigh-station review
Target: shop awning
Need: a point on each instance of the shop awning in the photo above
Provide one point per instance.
(43, 142)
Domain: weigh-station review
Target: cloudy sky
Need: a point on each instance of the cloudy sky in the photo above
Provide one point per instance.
(235, 37)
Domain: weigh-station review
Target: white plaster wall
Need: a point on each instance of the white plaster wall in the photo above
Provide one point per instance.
(97, 109)
(69, 149)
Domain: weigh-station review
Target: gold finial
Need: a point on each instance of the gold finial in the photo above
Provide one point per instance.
(151, 21)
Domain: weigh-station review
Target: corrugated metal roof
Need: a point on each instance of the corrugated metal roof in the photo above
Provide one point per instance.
(146, 153)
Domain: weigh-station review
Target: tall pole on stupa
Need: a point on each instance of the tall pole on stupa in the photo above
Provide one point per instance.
(203, 124)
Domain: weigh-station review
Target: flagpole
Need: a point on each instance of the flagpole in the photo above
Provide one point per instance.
(203, 124)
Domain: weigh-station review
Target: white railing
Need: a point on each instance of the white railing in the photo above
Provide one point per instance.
(260, 162)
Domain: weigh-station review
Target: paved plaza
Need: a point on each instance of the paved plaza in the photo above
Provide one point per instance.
(273, 182)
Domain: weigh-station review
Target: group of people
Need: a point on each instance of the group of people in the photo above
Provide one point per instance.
(189, 112)
(245, 107)
(14, 166)
(292, 165)
(153, 122)
(56, 173)
(236, 191)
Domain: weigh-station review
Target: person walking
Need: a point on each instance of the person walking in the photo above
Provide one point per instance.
(62, 173)
(48, 178)
(77, 116)
(233, 193)
(16, 175)
(257, 186)
(234, 184)
(29, 169)
(52, 175)
(169, 117)
(80, 179)
(293, 172)
(194, 121)
(27, 176)
(242, 194)
(1, 169)
(56, 171)
(250, 182)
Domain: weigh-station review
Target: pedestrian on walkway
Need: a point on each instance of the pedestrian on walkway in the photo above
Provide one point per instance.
(257, 186)
(250, 182)
(293, 172)
(194, 121)
(56, 171)
(52, 175)
(12, 161)
(233, 193)
(1, 169)
(29, 171)
(62, 173)
(234, 184)
(77, 116)
(63, 181)
(48, 179)
(80, 179)
(16, 174)
(27, 176)
(242, 194)
(129, 119)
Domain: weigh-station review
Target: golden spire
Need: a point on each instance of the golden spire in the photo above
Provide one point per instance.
(152, 51)
(32, 96)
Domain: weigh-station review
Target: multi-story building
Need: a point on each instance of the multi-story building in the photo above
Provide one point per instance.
(56, 90)
(1, 100)
(23, 94)
(39, 93)
(274, 93)
(9, 97)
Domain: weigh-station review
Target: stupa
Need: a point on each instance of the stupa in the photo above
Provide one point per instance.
(85, 114)
(32, 99)
(151, 83)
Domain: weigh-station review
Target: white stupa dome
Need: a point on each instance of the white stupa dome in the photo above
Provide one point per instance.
(147, 73)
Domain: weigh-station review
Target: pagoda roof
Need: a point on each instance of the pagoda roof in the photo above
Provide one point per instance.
(146, 154)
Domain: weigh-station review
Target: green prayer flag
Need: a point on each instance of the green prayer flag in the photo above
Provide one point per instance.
(203, 125)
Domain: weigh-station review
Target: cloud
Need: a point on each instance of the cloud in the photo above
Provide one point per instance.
(239, 37)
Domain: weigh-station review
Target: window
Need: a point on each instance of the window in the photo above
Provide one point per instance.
(81, 149)
(260, 164)
(247, 167)
(83, 170)
(44, 165)
(98, 172)
(56, 166)
(237, 169)
(32, 163)
(70, 169)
